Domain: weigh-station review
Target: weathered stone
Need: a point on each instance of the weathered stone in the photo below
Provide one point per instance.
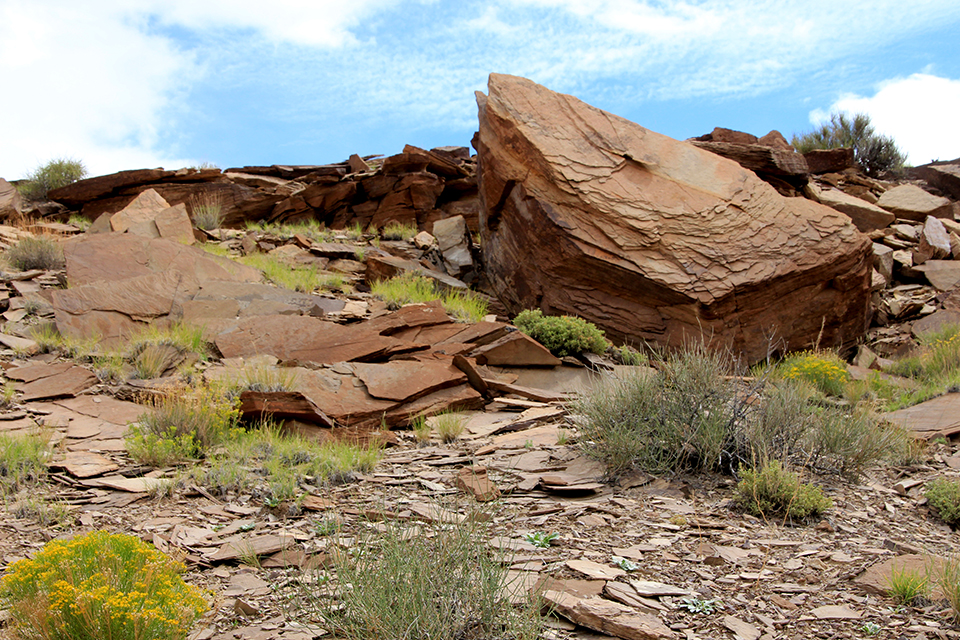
(608, 617)
(143, 209)
(934, 241)
(9, 200)
(407, 380)
(937, 417)
(515, 349)
(878, 577)
(173, 223)
(935, 322)
(945, 176)
(23, 345)
(474, 480)
(282, 405)
(385, 267)
(453, 240)
(424, 241)
(883, 261)
(86, 464)
(759, 158)
(942, 274)
(913, 203)
(83, 191)
(864, 215)
(653, 239)
(68, 382)
(829, 160)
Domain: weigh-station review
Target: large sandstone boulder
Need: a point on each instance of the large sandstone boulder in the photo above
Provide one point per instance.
(585, 213)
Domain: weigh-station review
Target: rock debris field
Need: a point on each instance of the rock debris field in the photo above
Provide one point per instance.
(734, 239)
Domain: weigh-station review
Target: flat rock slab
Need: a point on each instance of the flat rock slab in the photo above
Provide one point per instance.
(877, 578)
(515, 349)
(282, 405)
(303, 339)
(606, 616)
(939, 416)
(69, 382)
(130, 485)
(942, 274)
(653, 589)
(595, 570)
(106, 408)
(85, 464)
(835, 612)
(406, 380)
(251, 546)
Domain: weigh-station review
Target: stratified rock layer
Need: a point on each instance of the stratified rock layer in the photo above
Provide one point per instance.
(585, 213)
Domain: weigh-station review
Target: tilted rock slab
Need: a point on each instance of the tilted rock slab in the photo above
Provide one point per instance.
(585, 213)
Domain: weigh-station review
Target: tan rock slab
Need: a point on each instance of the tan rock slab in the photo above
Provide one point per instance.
(516, 349)
(913, 203)
(475, 481)
(282, 405)
(866, 216)
(173, 223)
(628, 596)
(106, 408)
(130, 485)
(939, 416)
(835, 612)
(877, 578)
(405, 380)
(653, 589)
(595, 570)
(84, 464)
(36, 370)
(942, 274)
(251, 546)
(70, 382)
(741, 629)
(24, 345)
(142, 209)
(608, 617)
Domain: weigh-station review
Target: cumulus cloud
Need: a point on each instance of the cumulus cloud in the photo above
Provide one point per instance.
(918, 111)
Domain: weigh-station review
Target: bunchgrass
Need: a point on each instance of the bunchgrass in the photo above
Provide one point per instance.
(305, 279)
(947, 577)
(449, 425)
(562, 335)
(8, 394)
(445, 583)
(772, 491)
(413, 288)
(35, 252)
(935, 366)
(100, 585)
(266, 379)
(184, 424)
(23, 461)
(908, 586)
(943, 496)
(186, 338)
(421, 429)
(395, 230)
(207, 211)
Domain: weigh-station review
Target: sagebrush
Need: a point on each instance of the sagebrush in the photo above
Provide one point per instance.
(35, 252)
(874, 152)
(52, 175)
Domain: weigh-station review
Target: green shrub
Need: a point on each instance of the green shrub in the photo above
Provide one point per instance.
(22, 461)
(774, 491)
(36, 252)
(399, 231)
(100, 585)
(449, 425)
(53, 175)
(875, 153)
(562, 335)
(443, 584)
(184, 424)
(825, 370)
(305, 279)
(943, 496)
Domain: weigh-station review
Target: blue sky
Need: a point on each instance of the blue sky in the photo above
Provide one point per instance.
(125, 84)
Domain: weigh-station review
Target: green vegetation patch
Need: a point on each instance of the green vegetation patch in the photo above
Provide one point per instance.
(413, 288)
(772, 491)
(562, 335)
(875, 153)
(52, 175)
(35, 252)
(23, 461)
(943, 496)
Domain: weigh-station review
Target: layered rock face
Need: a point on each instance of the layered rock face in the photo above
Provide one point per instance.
(588, 214)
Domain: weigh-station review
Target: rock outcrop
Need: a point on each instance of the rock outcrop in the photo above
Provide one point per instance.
(588, 214)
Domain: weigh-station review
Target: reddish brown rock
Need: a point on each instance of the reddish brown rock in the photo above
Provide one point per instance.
(587, 214)
(59, 384)
(829, 160)
(82, 191)
(945, 176)
(9, 200)
(474, 480)
(142, 210)
(608, 617)
(282, 405)
(913, 203)
(515, 349)
(406, 380)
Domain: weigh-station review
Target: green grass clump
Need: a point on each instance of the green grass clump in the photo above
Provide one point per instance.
(947, 576)
(183, 425)
(936, 367)
(399, 230)
(908, 586)
(773, 491)
(562, 335)
(23, 462)
(52, 175)
(35, 252)
(100, 585)
(208, 211)
(943, 496)
(825, 370)
(305, 279)
(442, 584)
(449, 425)
(413, 288)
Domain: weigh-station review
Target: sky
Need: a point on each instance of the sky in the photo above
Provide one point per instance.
(129, 84)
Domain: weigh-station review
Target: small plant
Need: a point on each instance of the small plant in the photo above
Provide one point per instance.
(8, 394)
(774, 491)
(359, 254)
(562, 335)
(412, 288)
(563, 436)
(449, 426)
(327, 527)
(697, 605)
(79, 222)
(444, 584)
(395, 230)
(421, 430)
(947, 577)
(207, 211)
(943, 496)
(305, 279)
(908, 586)
(629, 356)
(44, 513)
(100, 585)
(540, 540)
(826, 371)
(22, 462)
(183, 425)
(627, 565)
(266, 379)
(36, 252)
(52, 175)
(870, 628)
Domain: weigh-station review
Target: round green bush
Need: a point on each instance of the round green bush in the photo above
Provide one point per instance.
(562, 335)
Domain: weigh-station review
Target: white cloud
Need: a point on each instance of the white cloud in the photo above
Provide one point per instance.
(918, 111)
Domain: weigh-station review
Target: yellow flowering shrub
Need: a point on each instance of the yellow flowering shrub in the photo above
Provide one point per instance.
(99, 585)
(826, 371)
